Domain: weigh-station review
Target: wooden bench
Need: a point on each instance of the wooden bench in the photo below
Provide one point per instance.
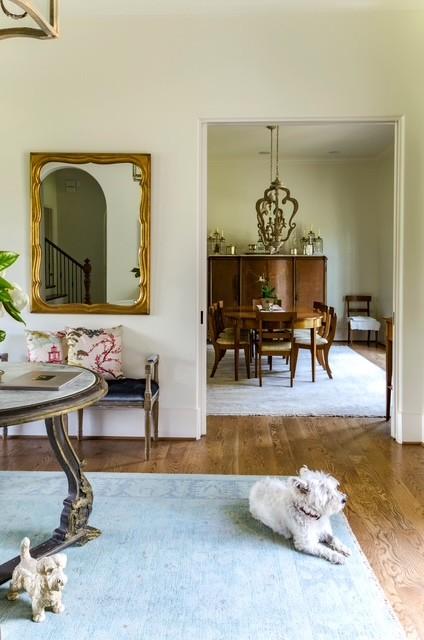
(135, 393)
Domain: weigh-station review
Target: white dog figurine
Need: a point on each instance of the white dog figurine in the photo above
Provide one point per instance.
(42, 579)
(300, 508)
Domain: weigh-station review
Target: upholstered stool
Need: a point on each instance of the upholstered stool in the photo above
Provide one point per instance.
(135, 393)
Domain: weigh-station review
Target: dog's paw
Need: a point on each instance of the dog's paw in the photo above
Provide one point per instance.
(39, 617)
(12, 595)
(59, 608)
(336, 558)
(345, 551)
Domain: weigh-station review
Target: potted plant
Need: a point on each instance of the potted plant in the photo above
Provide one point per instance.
(268, 294)
(12, 298)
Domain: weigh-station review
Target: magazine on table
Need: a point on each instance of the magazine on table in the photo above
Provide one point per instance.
(40, 380)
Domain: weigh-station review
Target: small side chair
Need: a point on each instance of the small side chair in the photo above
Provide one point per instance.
(358, 317)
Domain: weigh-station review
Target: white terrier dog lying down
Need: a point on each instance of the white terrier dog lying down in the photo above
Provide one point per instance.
(300, 508)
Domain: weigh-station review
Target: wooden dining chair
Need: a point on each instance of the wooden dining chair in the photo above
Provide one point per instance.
(359, 318)
(323, 345)
(222, 342)
(275, 337)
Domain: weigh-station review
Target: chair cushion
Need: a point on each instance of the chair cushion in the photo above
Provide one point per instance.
(319, 340)
(275, 346)
(127, 390)
(97, 349)
(364, 323)
(227, 340)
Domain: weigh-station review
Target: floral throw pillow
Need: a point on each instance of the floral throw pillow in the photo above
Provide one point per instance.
(97, 349)
(46, 346)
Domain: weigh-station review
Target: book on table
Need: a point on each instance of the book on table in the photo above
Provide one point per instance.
(40, 380)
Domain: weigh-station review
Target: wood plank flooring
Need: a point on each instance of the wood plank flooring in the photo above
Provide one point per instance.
(384, 481)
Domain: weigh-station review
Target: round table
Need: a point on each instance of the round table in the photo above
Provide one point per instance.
(25, 405)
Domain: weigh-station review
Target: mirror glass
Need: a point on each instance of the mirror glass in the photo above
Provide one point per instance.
(91, 233)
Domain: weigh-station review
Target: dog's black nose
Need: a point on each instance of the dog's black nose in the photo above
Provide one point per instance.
(344, 500)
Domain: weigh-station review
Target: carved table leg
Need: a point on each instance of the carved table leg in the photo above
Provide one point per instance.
(79, 503)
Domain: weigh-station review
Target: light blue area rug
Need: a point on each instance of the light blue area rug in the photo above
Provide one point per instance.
(181, 558)
(358, 387)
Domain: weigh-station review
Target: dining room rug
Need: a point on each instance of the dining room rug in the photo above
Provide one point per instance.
(181, 558)
(358, 387)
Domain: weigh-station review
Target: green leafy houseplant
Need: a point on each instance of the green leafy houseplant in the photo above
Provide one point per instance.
(267, 290)
(12, 298)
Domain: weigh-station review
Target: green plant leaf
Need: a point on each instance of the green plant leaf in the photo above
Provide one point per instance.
(12, 311)
(2, 335)
(5, 296)
(7, 258)
(5, 284)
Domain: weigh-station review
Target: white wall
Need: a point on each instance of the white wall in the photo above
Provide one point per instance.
(141, 84)
(340, 199)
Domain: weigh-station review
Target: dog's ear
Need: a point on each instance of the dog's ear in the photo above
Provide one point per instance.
(300, 485)
(303, 469)
(60, 560)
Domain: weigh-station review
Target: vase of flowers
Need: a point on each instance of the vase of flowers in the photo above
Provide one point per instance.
(12, 298)
(268, 294)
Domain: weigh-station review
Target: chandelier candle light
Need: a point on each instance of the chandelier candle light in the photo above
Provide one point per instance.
(273, 227)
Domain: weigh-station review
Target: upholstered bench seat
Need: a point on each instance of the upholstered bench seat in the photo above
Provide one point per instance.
(127, 390)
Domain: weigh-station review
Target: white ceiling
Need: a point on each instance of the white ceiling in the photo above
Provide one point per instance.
(349, 140)
(74, 8)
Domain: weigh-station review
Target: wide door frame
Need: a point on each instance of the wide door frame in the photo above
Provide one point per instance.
(398, 123)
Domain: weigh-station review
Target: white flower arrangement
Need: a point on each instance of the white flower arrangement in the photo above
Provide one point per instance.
(12, 298)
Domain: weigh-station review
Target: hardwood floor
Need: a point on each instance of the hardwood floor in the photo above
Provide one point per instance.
(384, 481)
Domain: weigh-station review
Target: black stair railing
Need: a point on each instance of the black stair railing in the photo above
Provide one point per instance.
(66, 277)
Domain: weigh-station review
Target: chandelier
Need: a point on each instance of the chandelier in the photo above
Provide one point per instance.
(47, 28)
(274, 226)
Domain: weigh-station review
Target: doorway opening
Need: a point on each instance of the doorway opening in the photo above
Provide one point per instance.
(346, 176)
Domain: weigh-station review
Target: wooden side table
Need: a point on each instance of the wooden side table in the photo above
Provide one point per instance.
(389, 364)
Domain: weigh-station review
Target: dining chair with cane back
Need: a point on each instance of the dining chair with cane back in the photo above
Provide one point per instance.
(275, 331)
(222, 342)
(322, 346)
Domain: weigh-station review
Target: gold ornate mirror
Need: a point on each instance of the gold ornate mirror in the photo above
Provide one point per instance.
(90, 232)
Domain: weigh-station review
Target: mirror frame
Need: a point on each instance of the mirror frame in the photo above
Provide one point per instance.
(140, 160)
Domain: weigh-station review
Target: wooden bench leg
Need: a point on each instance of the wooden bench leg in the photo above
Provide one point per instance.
(156, 420)
(80, 423)
(5, 432)
(147, 434)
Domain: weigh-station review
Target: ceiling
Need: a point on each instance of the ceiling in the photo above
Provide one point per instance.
(78, 8)
(348, 140)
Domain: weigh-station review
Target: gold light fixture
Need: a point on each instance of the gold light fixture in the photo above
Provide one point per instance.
(48, 29)
(273, 225)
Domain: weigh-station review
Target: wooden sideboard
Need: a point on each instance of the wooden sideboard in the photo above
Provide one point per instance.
(298, 280)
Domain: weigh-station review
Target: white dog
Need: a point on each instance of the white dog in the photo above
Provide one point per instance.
(300, 508)
(42, 579)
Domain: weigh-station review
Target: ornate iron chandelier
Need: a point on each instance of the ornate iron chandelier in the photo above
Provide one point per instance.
(273, 225)
(47, 28)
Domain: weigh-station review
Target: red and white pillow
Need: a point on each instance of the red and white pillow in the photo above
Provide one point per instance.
(97, 349)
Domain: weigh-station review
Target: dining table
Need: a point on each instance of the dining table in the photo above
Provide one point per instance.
(244, 317)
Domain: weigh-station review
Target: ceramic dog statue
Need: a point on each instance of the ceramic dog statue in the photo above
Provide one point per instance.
(43, 579)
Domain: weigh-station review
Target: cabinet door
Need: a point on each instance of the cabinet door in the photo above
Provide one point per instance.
(224, 281)
(310, 279)
(280, 274)
(278, 271)
(250, 271)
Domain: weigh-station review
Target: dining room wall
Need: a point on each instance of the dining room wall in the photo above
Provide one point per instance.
(143, 83)
(349, 202)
